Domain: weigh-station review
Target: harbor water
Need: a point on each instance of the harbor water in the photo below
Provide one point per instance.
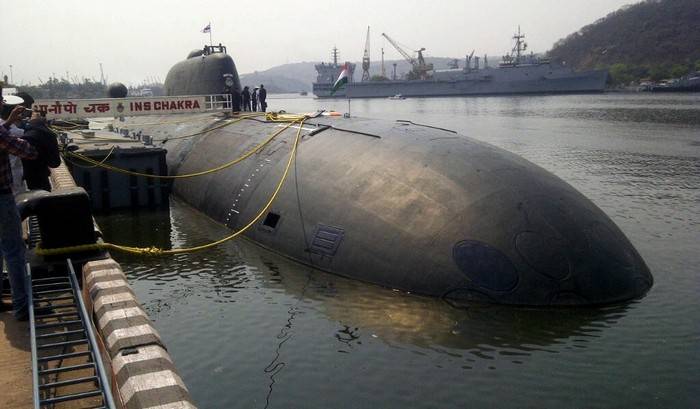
(250, 329)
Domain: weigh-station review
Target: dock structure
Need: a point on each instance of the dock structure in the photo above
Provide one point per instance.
(139, 371)
(82, 304)
(121, 149)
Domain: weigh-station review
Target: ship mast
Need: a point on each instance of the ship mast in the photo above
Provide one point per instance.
(335, 54)
(520, 45)
(383, 70)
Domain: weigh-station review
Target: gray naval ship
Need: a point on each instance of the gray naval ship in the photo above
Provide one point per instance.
(396, 203)
(517, 73)
(327, 73)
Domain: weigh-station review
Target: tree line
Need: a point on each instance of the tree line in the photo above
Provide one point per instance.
(653, 39)
(62, 88)
(624, 74)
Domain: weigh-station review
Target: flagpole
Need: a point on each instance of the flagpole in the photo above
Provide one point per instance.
(210, 42)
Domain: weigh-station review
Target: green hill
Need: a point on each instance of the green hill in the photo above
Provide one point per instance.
(655, 38)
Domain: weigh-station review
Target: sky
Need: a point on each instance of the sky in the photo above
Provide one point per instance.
(140, 40)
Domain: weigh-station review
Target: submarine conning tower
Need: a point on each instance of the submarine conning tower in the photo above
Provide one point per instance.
(206, 71)
(398, 204)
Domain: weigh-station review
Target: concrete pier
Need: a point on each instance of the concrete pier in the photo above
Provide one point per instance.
(15, 363)
(143, 374)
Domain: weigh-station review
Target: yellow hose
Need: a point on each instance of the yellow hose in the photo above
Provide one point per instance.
(190, 175)
(100, 163)
(155, 251)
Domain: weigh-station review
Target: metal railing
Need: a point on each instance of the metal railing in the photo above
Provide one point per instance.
(218, 102)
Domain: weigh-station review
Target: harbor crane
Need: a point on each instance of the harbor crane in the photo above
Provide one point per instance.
(468, 61)
(421, 70)
(365, 59)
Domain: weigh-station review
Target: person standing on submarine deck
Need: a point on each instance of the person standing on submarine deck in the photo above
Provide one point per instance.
(254, 99)
(245, 95)
(262, 96)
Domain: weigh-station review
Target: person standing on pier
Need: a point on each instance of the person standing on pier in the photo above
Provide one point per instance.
(262, 96)
(11, 243)
(36, 171)
(245, 95)
(16, 130)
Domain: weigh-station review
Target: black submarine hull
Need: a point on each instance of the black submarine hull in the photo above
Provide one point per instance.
(404, 206)
(412, 208)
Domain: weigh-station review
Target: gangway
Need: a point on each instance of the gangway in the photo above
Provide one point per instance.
(66, 361)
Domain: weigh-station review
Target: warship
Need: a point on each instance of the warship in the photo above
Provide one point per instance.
(399, 204)
(327, 73)
(517, 73)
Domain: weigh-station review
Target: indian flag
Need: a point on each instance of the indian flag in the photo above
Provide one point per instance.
(342, 79)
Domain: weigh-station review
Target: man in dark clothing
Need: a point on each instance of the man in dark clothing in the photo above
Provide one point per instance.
(36, 171)
(235, 100)
(262, 95)
(245, 95)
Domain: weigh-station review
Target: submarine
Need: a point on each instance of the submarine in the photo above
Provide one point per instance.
(396, 203)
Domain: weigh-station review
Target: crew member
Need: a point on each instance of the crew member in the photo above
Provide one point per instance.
(254, 99)
(236, 99)
(245, 95)
(262, 95)
(11, 243)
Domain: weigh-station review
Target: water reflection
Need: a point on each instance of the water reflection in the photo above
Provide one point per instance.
(408, 321)
(397, 319)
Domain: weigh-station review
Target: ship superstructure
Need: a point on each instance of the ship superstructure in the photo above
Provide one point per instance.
(517, 73)
(327, 74)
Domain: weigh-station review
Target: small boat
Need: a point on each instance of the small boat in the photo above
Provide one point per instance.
(397, 96)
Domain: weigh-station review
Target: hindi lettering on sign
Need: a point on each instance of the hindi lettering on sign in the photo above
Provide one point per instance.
(55, 108)
(70, 107)
(86, 108)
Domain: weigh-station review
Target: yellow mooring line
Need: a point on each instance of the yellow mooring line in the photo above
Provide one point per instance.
(155, 251)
